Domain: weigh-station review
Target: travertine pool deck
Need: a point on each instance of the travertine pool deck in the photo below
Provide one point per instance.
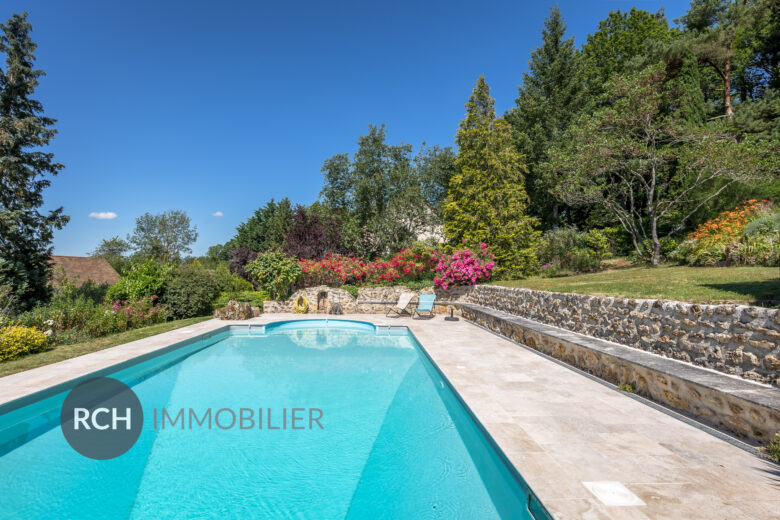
(583, 447)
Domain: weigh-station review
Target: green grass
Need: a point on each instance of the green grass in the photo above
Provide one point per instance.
(692, 284)
(61, 352)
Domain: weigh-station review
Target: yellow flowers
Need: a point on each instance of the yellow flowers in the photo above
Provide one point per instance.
(16, 341)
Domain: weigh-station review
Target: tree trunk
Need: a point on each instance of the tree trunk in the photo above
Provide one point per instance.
(656, 259)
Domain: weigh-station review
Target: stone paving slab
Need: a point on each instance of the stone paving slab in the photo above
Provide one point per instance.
(568, 435)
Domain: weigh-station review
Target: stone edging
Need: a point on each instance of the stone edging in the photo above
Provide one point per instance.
(742, 407)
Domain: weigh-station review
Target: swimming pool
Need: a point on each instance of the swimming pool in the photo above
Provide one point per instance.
(391, 439)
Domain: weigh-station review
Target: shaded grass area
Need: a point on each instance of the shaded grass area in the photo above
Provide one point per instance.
(62, 352)
(693, 284)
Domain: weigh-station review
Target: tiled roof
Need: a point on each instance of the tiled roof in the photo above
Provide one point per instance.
(79, 269)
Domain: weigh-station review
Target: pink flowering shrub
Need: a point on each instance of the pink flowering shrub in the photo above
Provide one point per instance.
(464, 267)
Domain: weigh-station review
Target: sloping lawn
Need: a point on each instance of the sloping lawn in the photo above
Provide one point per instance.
(61, 352)
(694, 284)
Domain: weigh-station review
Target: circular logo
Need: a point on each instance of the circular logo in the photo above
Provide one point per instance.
(101, 418)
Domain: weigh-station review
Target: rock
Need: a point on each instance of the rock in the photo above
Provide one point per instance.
(236, 311)
(772, 363)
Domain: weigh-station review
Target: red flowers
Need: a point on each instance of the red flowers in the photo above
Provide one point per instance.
(405, 266)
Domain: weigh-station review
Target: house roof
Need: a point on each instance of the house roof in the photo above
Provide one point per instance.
(79, 269)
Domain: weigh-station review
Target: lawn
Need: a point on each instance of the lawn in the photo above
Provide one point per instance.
(694, 284)
(62, 352)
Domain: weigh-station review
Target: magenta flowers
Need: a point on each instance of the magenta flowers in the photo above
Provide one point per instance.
(464, 267)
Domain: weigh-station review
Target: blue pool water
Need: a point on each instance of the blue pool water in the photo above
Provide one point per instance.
(395, 442)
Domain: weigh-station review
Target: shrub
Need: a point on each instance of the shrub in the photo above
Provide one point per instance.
(81, 319)
(144, 279)
(333, 270)
(766, 224)
(411, 264)
(253, 298)
(464, 267)
(90, 290)
(231, 282)
(17, 341)
(749, 235)
(239, 259)
(190, 291)
(274, 273)
(566, 249)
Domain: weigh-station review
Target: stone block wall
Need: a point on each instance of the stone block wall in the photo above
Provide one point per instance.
(736, 339)
(370, 300)
(743, 413)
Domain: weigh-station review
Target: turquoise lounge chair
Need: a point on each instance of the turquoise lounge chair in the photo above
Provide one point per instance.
(425, 305)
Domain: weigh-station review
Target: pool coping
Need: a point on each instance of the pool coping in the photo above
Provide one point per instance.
(489, 399)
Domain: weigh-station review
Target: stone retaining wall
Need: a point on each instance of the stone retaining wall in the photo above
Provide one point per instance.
(741, 407)
(736, 339)
(370, 300)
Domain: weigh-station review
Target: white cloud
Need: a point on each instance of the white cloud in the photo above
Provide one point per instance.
(103, 215)
(218, 214)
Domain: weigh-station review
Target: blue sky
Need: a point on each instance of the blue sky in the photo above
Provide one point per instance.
(219, 106)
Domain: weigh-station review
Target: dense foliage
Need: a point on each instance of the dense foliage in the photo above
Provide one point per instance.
(72, 317)
(143, 279)
(748, 235)
(254, 298)
(191, 290)
(568, 250)
(274, 273)
(312, 235)
(640, 160)
(552, 93)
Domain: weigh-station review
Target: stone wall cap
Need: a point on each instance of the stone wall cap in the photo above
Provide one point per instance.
(750, 391)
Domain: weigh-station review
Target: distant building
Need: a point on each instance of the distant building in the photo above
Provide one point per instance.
(79, 269)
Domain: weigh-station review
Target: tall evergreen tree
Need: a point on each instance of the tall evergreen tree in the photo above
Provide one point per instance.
(551, 95)
(691, 98)
(266, 228)
(25, 170)
(487, 201)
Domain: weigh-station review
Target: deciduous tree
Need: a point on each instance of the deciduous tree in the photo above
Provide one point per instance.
(639, 158)
(164, 237)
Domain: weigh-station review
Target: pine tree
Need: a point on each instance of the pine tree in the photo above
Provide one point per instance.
(25, 233)
(714, 27)
(487, 200)
(551, 95)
